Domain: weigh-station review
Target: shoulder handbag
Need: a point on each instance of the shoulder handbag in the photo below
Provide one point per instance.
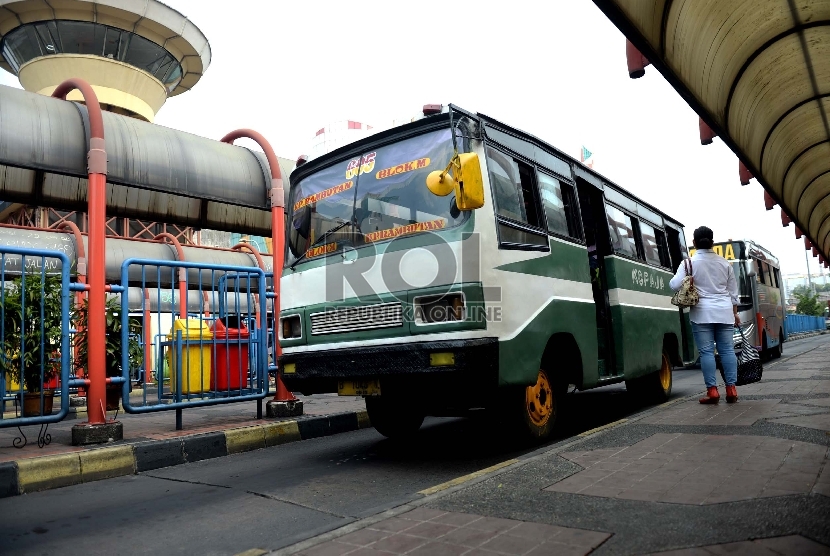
(750, 368)
(687, 295)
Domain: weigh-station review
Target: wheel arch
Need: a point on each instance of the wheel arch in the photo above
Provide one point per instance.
(567, 367)
(671, 345)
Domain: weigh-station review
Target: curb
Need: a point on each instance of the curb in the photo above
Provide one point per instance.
(56, 471)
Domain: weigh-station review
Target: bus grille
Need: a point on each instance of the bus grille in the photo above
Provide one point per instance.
(362, 317)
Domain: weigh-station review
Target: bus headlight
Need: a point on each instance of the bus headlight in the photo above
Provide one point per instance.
(291, 327)
(431, 309)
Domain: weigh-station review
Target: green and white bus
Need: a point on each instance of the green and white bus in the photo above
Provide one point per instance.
(456, 263)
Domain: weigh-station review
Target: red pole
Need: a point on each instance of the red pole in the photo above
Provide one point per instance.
(96, 196)
(182, 272)
(255, 252)
(277, 233)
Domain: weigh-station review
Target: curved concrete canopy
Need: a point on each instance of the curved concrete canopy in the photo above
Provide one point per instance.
(149, 18)
(758, 73)
(154, 173)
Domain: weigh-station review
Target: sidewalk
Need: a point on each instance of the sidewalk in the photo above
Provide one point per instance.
(682, 479)
(151, 441)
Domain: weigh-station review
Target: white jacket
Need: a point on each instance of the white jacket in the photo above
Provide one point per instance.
(716, 286)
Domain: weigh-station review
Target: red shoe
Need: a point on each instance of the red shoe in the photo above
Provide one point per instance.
(712, 396)
(731, 394)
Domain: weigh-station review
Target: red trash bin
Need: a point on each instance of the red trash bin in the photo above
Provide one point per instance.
(230, 364)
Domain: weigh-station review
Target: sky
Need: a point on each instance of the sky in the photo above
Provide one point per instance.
(554, 69)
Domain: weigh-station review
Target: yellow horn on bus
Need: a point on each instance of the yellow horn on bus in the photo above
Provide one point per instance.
(440, 183)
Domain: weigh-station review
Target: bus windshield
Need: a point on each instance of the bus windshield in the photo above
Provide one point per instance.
(378, 196)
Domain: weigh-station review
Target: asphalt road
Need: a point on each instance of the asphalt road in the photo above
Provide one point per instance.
(275, 497)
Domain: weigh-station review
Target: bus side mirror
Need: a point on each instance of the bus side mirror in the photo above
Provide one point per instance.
(750, 269)
(467, 181)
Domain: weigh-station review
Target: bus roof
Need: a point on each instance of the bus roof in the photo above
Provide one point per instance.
(758, 248)
(440, 120)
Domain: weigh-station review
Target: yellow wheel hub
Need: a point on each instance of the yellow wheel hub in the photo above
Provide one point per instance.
(539, 400)
(665, 373)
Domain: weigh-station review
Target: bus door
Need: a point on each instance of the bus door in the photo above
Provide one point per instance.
(677, 252)
(599, 246)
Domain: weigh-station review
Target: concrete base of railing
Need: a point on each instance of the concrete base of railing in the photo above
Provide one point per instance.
(291, 408)
(85, 434)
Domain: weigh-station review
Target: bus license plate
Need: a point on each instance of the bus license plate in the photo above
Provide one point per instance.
(358, 388)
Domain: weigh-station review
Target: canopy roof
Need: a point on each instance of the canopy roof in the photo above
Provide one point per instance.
(758, 73)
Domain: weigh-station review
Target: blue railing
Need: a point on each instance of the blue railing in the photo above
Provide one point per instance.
(793, 324)
(211, 360)
(34, 338)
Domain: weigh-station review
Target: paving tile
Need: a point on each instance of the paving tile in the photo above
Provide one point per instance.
(702, 469)
(507, 544)
(430, 530)
(438, 549)
(458, 519)
(495, 524)
(795, 544)
(556, 549)
(399, 543)
(580, 537)
(465, 536)
(393, 525)
(363, 537)
(331, 548)
(369, 552)
(536, 531)
(792, 545)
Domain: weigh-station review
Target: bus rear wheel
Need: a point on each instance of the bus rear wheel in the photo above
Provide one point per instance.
(393, 418)
(541, 407)
(779, 349)
(654, 387)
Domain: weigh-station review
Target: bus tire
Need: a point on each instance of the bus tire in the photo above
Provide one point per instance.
(393, 418)
(654, 387)
(779, 349)
(540, 406)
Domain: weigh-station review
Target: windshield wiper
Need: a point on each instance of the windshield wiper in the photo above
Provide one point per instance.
(319, 240)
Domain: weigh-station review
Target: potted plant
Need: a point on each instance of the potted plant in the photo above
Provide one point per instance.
(30, 305)
(113, 368)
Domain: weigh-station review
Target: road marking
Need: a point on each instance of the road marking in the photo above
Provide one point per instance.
(466, 478)
(603, 427)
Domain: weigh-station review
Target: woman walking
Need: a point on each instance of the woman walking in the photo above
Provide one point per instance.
(715, 315)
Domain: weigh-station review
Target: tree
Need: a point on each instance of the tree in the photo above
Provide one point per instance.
(809, 305)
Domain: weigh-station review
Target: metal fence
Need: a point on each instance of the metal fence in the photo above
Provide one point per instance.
(201, 355)
(35, 353)
(794, 324)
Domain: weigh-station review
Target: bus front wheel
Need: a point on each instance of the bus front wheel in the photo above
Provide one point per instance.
(540, 407)
(393, 418)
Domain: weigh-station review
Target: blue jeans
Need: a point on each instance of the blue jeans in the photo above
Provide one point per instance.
(706, 336)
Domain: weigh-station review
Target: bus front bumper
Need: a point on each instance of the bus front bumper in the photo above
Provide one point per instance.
(434, 368)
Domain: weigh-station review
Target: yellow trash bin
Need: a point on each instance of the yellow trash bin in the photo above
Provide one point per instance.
(195, 356)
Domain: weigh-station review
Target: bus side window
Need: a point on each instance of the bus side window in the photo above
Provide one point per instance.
(621, 228)
(663, 248)
(517, 205)
(651, 248)
(777, 273)
(759, 272)
(560, 206)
